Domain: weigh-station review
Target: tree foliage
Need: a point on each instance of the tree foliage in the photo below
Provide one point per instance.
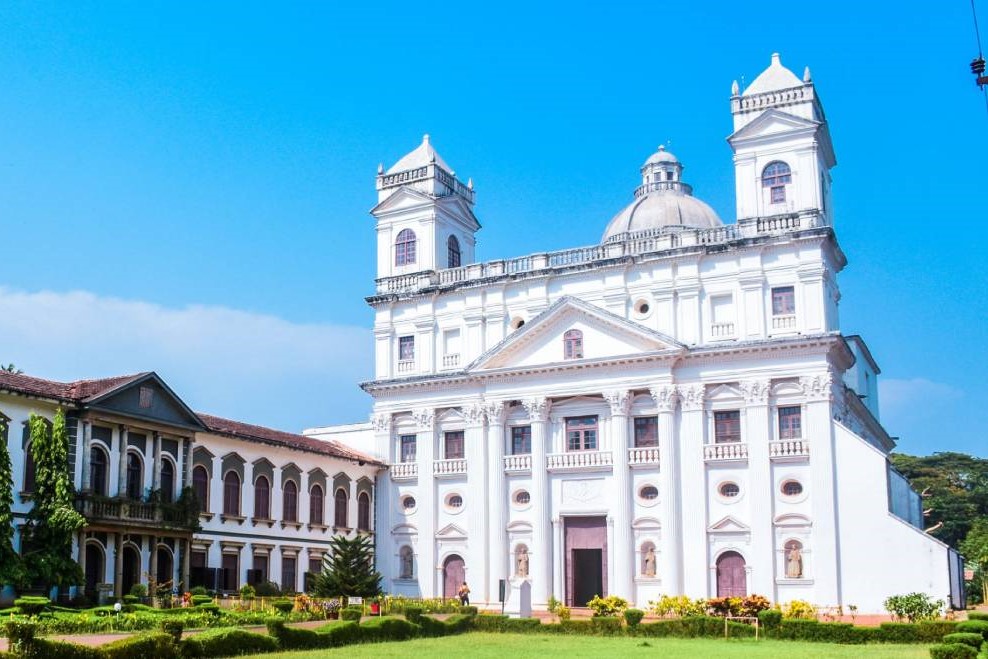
(52, 521)
(349, 569)
(11, 570)
(10, 368)
(975, 550)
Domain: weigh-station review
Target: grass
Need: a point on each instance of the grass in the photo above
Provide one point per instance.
(477, 644)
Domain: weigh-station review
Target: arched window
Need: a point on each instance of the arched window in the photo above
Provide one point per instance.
(453, 252)
(289, 502)
(231, 494)
(775, 176)
(407, 559)
(97, 471)
(135, 476)
(167, 481)
(262, 498)
(200, 485)
(573, 344)
(315, 505)
(405, 247)
(339, 520)
(363, 512)
(29, 469)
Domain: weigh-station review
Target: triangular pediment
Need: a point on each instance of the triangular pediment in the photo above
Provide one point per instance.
(728, 525)
(147, 398)
(604, 336)
(773, 122)
(451, 532)
(402, 199)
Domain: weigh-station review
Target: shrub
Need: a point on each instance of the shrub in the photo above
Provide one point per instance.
(342, 633)
(159, 645)
(967, 638)
(914, 606)
(752, 605)
(296, 639)
(953, 651)
(611, 605)
(173, 628)
(352, 613)
(564, 613)
(724, 606)
(389, 628)
(825, 632)
(267, 589)
(199, 590)
(32, 606)
(974, 626)
(693, 627)
(977, 615)
(933, 631)
(458, 623)
(42, 648)
(227, 642)
(799, 610)
(770, 618)
(413, 614)
(210, 608)
(606, 625)
(633, 616)
(131, 599)
(247, 592)
(468, 610)
(680, 606)
(201, 599)
(138, 590)
(283, 605)
(485, 622)
(21, 634)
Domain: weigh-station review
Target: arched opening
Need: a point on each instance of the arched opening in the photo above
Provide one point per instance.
(231, 494)
(131, 568)
(95, 567)
(775, 176)
(200, 485)
(363, 512)
(167, 481)
(453, 252)
(732, 577)
(135, 476)
(454, 575)
(573, 344)
(407, 558)
(316, 505)
(29, 468)
(405, 247)
(794, 559)
(262, 498)
(340, 516)
(166, 567)
(289, 502)
(98, 462)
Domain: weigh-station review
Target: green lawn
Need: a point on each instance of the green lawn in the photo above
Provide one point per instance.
(477, 644)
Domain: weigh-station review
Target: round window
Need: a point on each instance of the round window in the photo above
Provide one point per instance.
(455, 501)
(517, 322)
(408, 503)
(649, 493)
(792, 488)
(642, 307)
(522, 498)
(729, 490)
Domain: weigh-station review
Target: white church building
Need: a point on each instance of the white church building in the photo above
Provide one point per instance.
(675, 410)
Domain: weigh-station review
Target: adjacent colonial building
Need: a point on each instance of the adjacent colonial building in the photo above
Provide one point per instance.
(269, 502)
(675, 409)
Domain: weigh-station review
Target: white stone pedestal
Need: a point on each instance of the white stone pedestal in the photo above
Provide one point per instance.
(518, 599)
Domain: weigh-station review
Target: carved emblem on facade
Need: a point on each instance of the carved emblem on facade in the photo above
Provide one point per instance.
(381, 422)
(424, 418)
(755, 391)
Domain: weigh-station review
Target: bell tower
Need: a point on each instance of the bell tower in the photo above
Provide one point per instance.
(424, 215)
(782, 148)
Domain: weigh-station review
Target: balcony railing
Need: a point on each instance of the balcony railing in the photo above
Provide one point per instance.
(517, 463)
(406, 365)
(452, 467)
(786, 322)
(643, 456)
(722, 330)
(451, 360)
(97, 509)
(404, 471)
(589, 460)
(781, 449)
(728, 451)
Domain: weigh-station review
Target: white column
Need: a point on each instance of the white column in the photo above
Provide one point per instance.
(622, 551)
(425, 449)
(216, 488)
(156, 465)
(87, 442)
(122, 437)
(477, 508)
(276, 510)
(539, 558)
(247, 492)
(818, 428)
(558, 559)
(693, 486)
(385, 500)
(187, 465)
(671, 549)
(497, 497)
(757, 433)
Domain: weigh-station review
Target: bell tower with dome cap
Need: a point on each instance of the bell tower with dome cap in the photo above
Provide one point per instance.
(782, 148)
(424, 215)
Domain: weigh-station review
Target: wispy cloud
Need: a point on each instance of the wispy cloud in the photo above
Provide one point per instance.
(255, 367)
(898, 395)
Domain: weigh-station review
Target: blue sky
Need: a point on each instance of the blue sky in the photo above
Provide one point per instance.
(184, 187)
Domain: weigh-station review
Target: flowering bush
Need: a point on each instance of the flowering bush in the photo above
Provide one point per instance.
(680, 606)
(914, 606)
(799, 610)
(611, 605)
(303, 604)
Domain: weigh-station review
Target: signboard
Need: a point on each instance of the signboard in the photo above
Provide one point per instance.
(352, 601)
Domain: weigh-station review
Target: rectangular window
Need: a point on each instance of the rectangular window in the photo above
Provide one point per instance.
(315, 564)
(406, 348)
(581, 433)
(453, 445)
(783, 301)
(521, 440)
(407, 448)
(727, 426)
(646, 431)
(288, 574)
(261, 567)
(790, 422)
(231, 570)
(778, 194)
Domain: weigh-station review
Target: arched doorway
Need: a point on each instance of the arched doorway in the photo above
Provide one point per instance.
(131, 569)
(95, 567)
(454, 575)
(166, 569)
(732, 578)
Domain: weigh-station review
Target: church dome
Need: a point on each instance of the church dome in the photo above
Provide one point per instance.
(662, 201)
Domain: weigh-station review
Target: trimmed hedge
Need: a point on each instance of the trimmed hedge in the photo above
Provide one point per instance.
(42, 648)
(283, 605)
(296, 639)
(173, 628)
(389, 628)
(159, 645)
(633, 616)
(974, 626)
(967, 638)
(352, 613)
(201, 599)
(469, 610)
(413, 614)
(953, 651)
(226, 643)
(770, 618)
(32, 605)
(977, 615)
(498, 623)
(693, 627)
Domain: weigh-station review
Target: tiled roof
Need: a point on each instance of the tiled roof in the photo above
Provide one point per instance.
(82, 391)
(259, 433)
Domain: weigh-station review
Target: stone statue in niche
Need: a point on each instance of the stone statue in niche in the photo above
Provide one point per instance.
(521, 562)
(406, 564)
(794, 562)
(648, 569)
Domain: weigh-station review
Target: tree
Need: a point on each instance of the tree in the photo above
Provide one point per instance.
(349, 569)
(10, 368)
(52, 521)
(975, 550)
(11, 567)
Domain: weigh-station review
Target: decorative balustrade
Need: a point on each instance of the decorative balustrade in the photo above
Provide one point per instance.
(579, 460)
(785, 322)
(517, 463)
(452, 467)
(779, 449)
(726, 452)
(643, 456)
(628, 244)
(406, 366)
(722, 330)
(451, 360)
(118, 510)
(404, 471)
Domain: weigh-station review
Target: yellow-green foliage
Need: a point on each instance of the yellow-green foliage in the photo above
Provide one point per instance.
(799, 610)
(679, 606)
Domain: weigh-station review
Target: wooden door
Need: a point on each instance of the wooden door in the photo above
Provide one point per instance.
(732, 578)
(454, 575)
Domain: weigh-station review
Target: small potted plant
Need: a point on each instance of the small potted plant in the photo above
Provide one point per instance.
(375, 606)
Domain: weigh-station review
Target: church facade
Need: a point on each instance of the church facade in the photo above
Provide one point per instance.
(675, 410)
